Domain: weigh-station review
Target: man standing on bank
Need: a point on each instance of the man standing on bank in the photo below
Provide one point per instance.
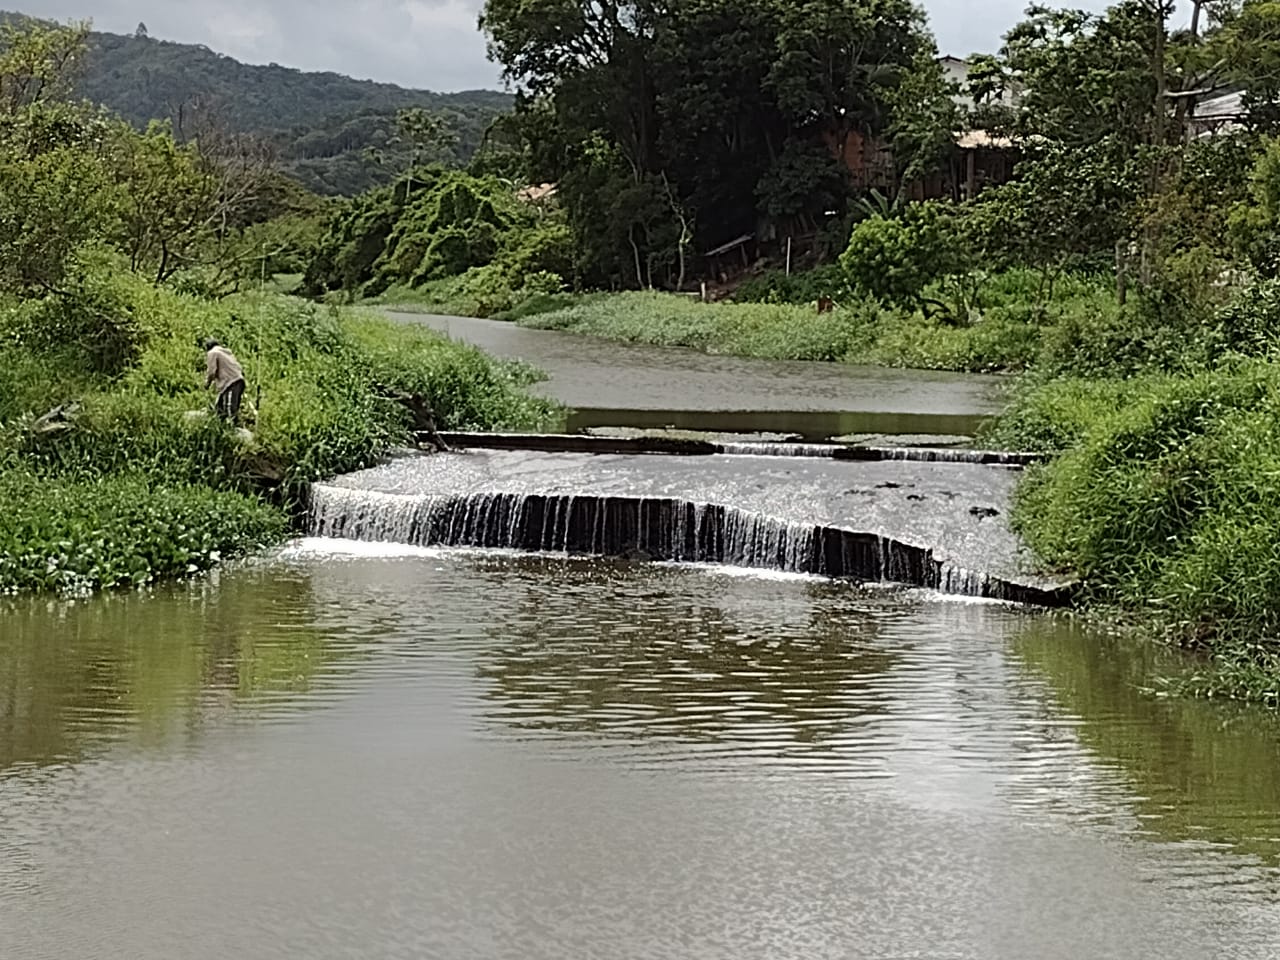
(224, 369)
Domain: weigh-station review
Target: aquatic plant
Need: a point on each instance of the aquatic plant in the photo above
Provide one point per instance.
(74, 537)
(322, 382)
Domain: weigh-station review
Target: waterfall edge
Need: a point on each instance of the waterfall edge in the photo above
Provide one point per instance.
(657, 529)
(580, 443)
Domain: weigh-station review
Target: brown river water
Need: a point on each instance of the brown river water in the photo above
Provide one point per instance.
(365, 750)
(608, 383)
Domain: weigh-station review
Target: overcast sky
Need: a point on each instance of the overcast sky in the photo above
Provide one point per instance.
(432, 44)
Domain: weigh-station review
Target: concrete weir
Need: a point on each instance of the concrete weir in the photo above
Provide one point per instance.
(581, 443)
(920, 524)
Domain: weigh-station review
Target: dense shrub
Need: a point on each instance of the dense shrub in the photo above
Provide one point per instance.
(444, 224)
(90, 323)
(1169, 502)
(1052, 416)
(894, 258)
(807, 287)
(321, 382)
(127, 530)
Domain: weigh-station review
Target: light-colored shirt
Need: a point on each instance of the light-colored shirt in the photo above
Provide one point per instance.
(223, 368)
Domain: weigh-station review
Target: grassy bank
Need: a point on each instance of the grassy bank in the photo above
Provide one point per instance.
(1003, 332)
(135, 481)
(1165, 499)
(864, 333)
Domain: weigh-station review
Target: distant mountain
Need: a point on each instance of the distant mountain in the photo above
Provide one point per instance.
(323, 124)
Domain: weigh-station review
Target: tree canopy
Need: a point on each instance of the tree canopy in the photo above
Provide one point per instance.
(671, 124)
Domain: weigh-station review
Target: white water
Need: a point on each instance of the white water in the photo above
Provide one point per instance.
(648, 528)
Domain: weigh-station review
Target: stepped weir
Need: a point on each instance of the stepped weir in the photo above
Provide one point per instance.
(931, 525)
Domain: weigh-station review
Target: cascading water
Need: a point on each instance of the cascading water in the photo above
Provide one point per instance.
(651, 528)
(767, 449)
(831, 451)
(566, 443)
(937, 455)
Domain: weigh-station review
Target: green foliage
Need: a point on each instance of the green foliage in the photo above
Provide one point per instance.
(1255, 222)
(445, 224)
(1050, 416)
(90, 323)
(52, 206)
(1248, 46)
(1066, 206)
(38, 63)
(895, 259)
(1250, 323)
(185, 485)
(76, 181)
(672, 129)
(779, 331)
(1170, 501)
(454, 223)
(808, 286)
(170, 199)
(1093, 78)
(1097, 338)
(859, 332)
(926, 119)
(75, 537)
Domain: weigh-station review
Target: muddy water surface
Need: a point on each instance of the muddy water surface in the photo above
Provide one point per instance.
(444, 754)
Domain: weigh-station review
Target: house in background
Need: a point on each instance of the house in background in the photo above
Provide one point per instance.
(976, 160)
(1221, 113)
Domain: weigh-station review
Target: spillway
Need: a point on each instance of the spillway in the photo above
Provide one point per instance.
(938, 526)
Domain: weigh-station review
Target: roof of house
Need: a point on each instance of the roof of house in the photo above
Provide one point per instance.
(975, 139)
(1225, 106)
(726, 247)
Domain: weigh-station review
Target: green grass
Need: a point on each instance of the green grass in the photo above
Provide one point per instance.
(1166, 502)
(141, 431)
(864, 333)
(777, 319)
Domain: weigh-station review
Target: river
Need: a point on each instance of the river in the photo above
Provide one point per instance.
(377, 750)
(609, 384)
(359, 750)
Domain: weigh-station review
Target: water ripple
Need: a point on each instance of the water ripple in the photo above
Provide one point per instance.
(463, 754)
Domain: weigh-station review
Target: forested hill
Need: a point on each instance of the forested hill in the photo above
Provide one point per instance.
(322, 123)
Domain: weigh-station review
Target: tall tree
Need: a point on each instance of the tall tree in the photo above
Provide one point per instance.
(684, 123)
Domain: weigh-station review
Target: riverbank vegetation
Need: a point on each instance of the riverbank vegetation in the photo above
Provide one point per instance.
(1127, 267)
(116, 474)
(121, 250)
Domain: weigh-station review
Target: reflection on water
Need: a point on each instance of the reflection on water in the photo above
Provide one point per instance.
(446, 754)
(1194, 770)
(73, 675)
(783, 673)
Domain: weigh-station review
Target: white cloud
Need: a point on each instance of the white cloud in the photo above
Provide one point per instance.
(419, 43)
(433, 44)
